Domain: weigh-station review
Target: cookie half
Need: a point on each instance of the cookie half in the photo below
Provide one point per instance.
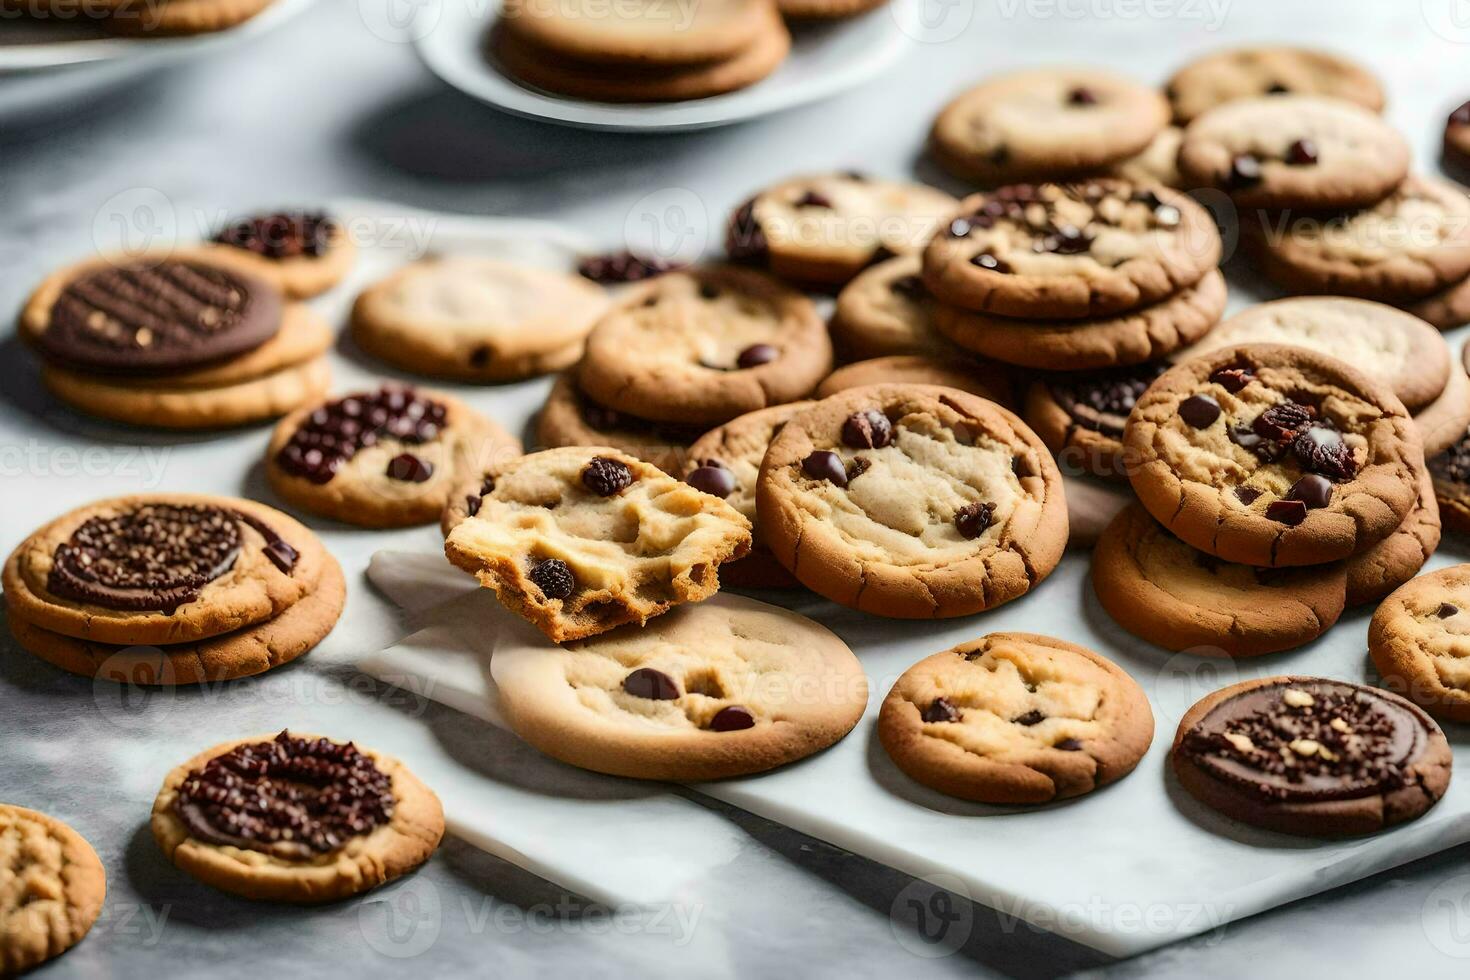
(52, 885)
(1247, 73)
(1416, 640)
(295, 818)
(1311, 756)
(1015, 718)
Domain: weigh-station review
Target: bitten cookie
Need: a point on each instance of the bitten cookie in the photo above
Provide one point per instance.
(826, 228)
(570, 418)
(886, 311)
(705, 345)
(724, 688)
(1246, 73)
(912, 501)
(306, 253)
(1159, 588)
(1046, 124)
(1015, 718)
(1081, 416)
(295, 818)
(51, 888)
(1311, 756)
(1294, 151)
(389, 458)
(1068, 251)
(476, 319)
(1270, 456)
(1417, 641)
(580, 540)
(979, 377)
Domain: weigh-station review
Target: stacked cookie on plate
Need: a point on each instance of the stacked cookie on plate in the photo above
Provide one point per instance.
(643, 51)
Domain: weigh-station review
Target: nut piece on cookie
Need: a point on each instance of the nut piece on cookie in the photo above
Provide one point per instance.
(295, 818)
(912, 501)
(1417, 638)
(580, 540)
(1015, 718)
(52, 885)
(1311, 756)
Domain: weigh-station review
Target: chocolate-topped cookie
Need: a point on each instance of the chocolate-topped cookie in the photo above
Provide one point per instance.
(150, 316)
(295, 818)
(1312, 756)
(1068, 251)
(912, 501)
(1081, 416)
(1268, 455)
(305, 252)
(571, 418)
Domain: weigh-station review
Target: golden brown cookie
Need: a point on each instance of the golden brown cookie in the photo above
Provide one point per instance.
(912, 501)
(641, 34)
(162, 17)
(1157, 164)
(1080, 416)
(1247, 73)
(1311, 756)
(975, 375)
(1374, 573)
(1016, 718)
(570, 418)
(887, 311)
(51, 888)
(1416, 640)
(1443, 421)
(295, 818)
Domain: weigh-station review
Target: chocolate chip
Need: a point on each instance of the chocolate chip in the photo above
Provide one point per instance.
(868, 429)
(655, 685)
(811, 199)
(480, 356)
(973, 519)
(472, 504)
(714, 480)
(282, 235)
(1288, 512)
(334, 433)
(1069, 745)
(554, 578)
(733, 718)
(745, 241)
(1232, 379)
(1313, 490)
(1302, 153)
(940, 710)
(1032, 717)
(1446, 610)
(1068, 240)
(986, 260)
(1000, 154)
(1245, 171)
(707, 291)
(1321, 449)
(1199, 411)
(825, 465)
(1276, 88)
(409, 468)
(1082, 95)
(606, 477)
(1247, 495)
(757, 354)
(600, 417)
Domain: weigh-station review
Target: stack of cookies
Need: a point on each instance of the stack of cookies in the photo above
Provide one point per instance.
(189, 340)
(643, 51)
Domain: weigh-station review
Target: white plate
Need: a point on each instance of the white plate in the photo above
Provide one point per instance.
(825, 60)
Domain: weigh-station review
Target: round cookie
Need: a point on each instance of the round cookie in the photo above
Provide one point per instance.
(52, 885)
(1450, 471)
(1443, 421)
(826, 228)
(1394, 348)
(1457, 135)
(162, 569)
(983, 378)
(168, 17)
(1157, 164)
(476, 319)
(581, 540)
(723, 688)
(646, 34)
(1159, 588)
(1081, 417)
(1068, 251)
(1294, 151)
(389, 458)
(1247, 73)
(912, 501)
(1445, 310)
(1413, 243)
(1015, 718)
(1118, 340)
(1311, 756)
(570, 418)
(305, 336)
(826, 9)
(726, 462)
(1416, 640)
(295, 818)
(1273, 456)
(1045, 124)
(701, 346)
(1374, 573)
(306, 253)
(886, 311)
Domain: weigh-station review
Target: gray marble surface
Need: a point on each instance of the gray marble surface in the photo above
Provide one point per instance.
(329, 108)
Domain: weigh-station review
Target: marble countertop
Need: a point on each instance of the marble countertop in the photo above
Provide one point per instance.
(331, 108)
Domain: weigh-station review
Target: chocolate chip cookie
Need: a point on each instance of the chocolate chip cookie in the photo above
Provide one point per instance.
(51, 888)
(1081, 416)
(1294, 151)
(826, 228)
(1046, 124)
(385, 458)
(1068, 251)
(305, 253)
(570, 418)
(1159, 588)
(1417, 642)
(1015, 718)
(1115, 340)
(476, 319)
(886, 311)
(1311, 756)
(704, 345)
(1247, 73)
(912, 501)
(580, 540)
(1273, 456)
(975, 375)
(295, 818)
(723, 688)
